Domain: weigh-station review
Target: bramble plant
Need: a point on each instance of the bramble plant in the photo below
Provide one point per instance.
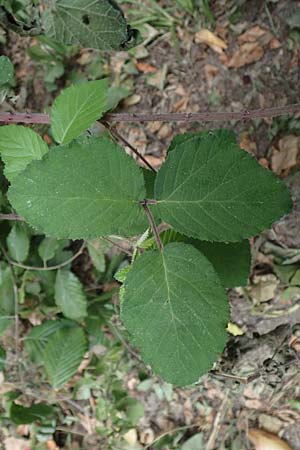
(212, 195)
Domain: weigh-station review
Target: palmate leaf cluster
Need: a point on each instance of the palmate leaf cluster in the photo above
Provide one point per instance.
(212, 195)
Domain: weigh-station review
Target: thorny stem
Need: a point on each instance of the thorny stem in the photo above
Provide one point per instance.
(144, 204)
(222, 116)
(117, 135)
(58, 266)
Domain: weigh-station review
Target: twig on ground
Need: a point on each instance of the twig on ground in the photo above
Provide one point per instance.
(218, 419)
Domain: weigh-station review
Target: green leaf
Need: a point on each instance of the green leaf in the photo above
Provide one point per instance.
(231, 261)
(6, 70)
(2, 358)
(21, 414)
(82, 192)
(50, 246)
(194, 443)
(63, 354)
(210, 189)
(7, 298)
(115, 95)
(97, 24)
(18, 242)
(77, 108)
(97, 249)
(69, 295)
(5, 320)
(176, 311)
(18, 147)
(37, 338)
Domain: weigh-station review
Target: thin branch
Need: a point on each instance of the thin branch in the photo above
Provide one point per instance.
(11, 217)
(114, 132)
(222, 116)
(58, 266)
(144, 204)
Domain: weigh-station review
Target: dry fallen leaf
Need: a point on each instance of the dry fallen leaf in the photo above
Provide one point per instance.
(145, 67)
(263, 440)
(210, 73)
(158, 79)
(153, 160)
(247, 144)
(132, 100)
(274, 43)
(16, 444)
(165, 131)
(131, 436)
(51, 445)
(251, 35)
(263, 288)
(285, 158)
(246, 54)
(138, 139)
(205, 36)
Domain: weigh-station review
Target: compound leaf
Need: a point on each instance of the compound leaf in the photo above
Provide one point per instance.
(176, 311)
(18, 242)
(82, 191)
(69, 295)
(63, 354)
(212, 190)
(77, 108)
(19, 146)
(97, 24)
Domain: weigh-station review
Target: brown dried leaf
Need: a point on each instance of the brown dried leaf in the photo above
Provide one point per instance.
(210, 72)
(246, 54)
(153, 160)
(263, 440)
(251, 35)
(145, 67)
(247, 144)
(132, 100)
(274, 43)
(286, 157)
(13, 443)
(205, 36)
